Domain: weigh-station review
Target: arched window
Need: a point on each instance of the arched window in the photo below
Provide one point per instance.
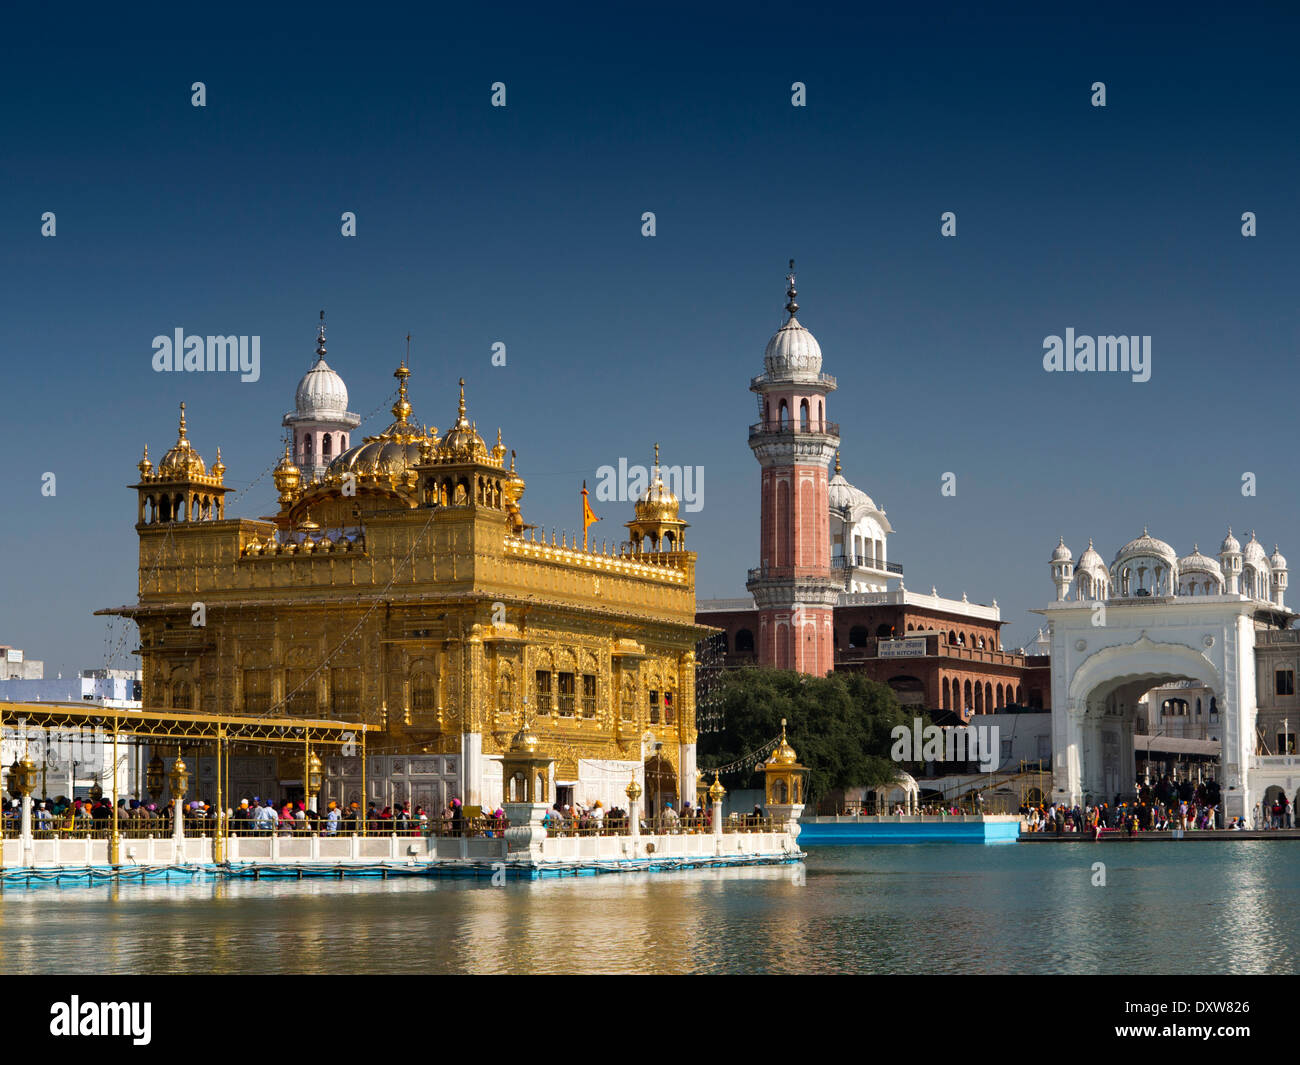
(803, 416)
(858, 636)
(969, 700)
(325, 447)
(424, 695)
(784, 415)
(182, 695)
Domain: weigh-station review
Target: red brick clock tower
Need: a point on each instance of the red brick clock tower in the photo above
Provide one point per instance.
(794, 444)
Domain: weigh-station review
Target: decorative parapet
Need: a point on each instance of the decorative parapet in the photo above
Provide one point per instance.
(666, 566)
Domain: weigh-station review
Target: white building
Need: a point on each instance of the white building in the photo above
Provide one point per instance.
(1149, 620)
(859, 537)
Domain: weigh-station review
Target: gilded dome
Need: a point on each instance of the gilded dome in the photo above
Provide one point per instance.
(390, 453)
(525, 741)
(784, 753)
(182, 461)
(462, 442)
(658, 502)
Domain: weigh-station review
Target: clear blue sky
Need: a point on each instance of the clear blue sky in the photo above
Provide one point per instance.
(523, 225)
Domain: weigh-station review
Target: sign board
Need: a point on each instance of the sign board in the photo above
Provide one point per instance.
(14, 654)
(901, 648)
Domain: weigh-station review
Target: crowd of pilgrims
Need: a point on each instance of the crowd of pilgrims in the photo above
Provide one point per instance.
(1164, 806)
(265, 817)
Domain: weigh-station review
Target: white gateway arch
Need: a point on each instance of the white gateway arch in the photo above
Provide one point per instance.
(1107, 654)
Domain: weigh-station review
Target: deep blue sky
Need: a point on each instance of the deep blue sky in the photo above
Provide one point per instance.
(522, 225)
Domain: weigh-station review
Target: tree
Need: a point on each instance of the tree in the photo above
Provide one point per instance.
(839, 726)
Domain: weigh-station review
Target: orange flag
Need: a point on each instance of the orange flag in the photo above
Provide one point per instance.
(588, 518)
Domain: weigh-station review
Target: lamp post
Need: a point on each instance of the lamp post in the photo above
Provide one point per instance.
(25, 774)
(716, 792)
(179, 779)
(634, 808)
(311, 779)
(659, 781)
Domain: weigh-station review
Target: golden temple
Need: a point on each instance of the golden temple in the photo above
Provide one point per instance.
(400, 586)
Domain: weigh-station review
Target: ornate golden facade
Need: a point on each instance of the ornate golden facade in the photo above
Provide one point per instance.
(403, 588)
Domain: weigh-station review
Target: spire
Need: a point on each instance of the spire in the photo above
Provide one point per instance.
(460, 411)
(401, 409)
(320, 338)
(837, 461)
(182, 427)
(790, 292)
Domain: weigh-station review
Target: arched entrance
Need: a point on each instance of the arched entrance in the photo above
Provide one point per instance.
(660, 784)
(1093, 730)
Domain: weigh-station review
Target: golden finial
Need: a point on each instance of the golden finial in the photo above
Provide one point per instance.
(182, 436)
(462, 399)
(498, 436)
(656, 455)
(837, 462)
(790, 292)
(512, 460)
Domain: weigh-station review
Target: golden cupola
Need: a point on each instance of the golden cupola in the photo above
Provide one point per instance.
(181, 488)
(656, 526)
(386, 459)
(462, 442)
(287, 478)
(182, 461)
(462, 472)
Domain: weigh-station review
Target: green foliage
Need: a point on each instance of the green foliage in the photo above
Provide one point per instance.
(839, 726)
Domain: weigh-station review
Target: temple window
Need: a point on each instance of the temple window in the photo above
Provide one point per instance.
(588, 695)
(566, 694)
(654, 708)
(543, 688)
(299, 692)
(345, 692)
(424, 694)
(257, 691)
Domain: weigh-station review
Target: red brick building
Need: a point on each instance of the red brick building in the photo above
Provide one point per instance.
(936, 653)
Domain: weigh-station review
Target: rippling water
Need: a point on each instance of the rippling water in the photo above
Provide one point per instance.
(1166, 908)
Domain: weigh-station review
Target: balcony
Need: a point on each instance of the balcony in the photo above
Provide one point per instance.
(841, 562)
(786, 573)
(824, 379)
(776, 431)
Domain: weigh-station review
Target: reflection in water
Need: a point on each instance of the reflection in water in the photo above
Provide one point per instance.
(1166, 908)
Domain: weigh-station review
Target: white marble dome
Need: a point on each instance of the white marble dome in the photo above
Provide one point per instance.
(1230, 545)
(1199, 563)
(1061, 553)
(1278, 561)
(792, 350)
(1146, 546)
(1091, 562)
(1253, 553)
(844, 496)
(321, 393)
